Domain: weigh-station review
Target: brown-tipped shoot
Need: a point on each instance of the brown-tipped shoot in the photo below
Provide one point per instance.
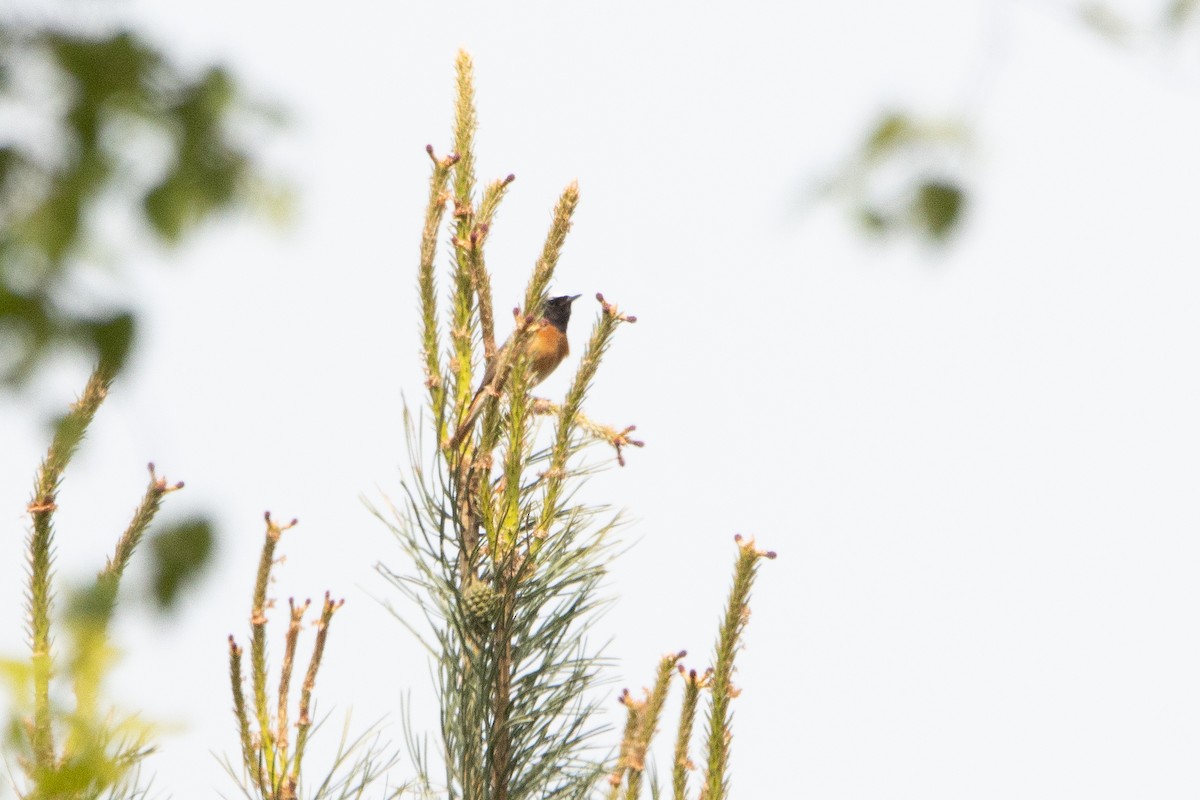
(271, 765)
(737, 614)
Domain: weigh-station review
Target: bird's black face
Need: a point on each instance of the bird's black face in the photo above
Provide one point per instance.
(558, 311)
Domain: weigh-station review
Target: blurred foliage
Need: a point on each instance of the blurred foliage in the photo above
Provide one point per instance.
(909, 174)
(104, 749)
(92, 604)
(62, 734)
(906, 176)
(179, 554)
(1180, 12)
(1106, 22)
(937, 207)
(95, 122)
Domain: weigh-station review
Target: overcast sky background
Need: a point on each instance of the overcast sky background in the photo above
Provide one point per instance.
(978, 465)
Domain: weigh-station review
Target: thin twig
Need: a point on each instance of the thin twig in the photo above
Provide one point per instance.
(285, 674)
(737, 613)
(648, 723)
(67, 437)
(560, 225)
(427, 285)
(598, 431)
(633, 716)
(304, 723)
(258, 645)
(156, 490)
(692, 684)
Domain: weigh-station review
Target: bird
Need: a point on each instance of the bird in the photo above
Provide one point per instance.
(545, 350)
(547, 346)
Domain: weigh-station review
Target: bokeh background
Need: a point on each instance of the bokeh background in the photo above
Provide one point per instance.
(916, 286)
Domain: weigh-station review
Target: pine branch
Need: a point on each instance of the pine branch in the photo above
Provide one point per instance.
(273, 767)
(506, 628)
(597, 431)
(88, 662)
(114, 568)
(692, 684)
(500, 740)
(543, 270)
(463, 307)
(258, 648)
(466, 123)
(250, 755)
(633, 717)
(67, 437)
(295, 621)
(482, 281)
(304, 723)
(648, 724)
(716, 784)
(602, 333)
(427, 288)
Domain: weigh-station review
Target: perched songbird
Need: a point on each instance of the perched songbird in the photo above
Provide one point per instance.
(547, 346)
(545, 350)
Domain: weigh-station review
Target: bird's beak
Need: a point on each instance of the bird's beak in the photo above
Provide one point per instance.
(576, 297)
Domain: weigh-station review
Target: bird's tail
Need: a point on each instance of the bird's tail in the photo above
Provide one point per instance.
(473, 412)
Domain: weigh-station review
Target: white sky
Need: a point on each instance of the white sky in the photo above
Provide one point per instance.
(979, 468)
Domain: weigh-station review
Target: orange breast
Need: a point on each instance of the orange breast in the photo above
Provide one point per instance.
(547, 349)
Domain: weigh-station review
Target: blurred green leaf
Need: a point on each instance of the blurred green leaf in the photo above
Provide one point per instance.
(892, 130)
(1103, 20)
(207, 175)
(17, 675)
(937, 207)
(115, 68)
(872, 220)
(179, 554)
(47, 231)
(92, 606)
(882, 181)
(25, 329)
(1180, 11)
(10, 159)
(112, 339)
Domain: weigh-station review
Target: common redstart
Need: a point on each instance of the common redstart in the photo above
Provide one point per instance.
(546, 349)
